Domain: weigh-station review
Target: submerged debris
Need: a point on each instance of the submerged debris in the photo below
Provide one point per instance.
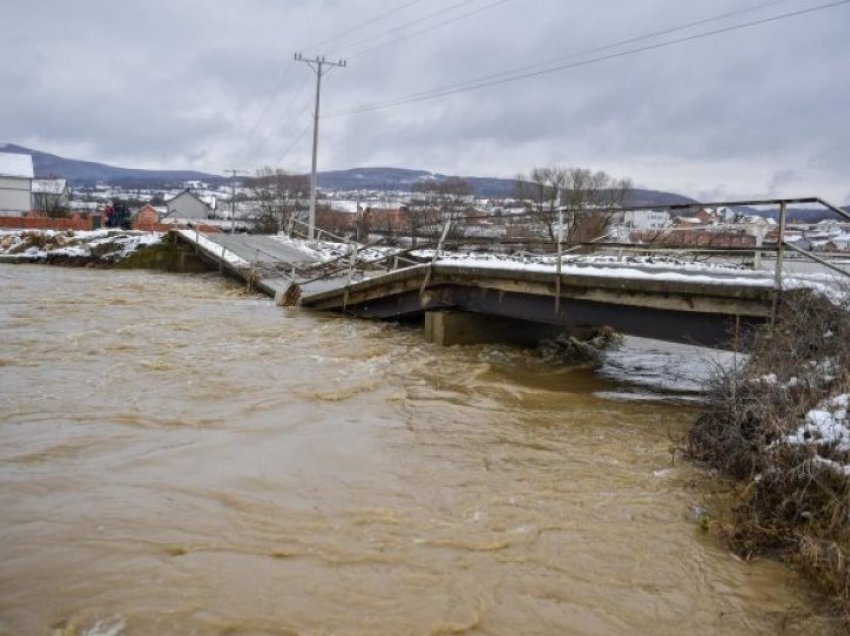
(569, 349)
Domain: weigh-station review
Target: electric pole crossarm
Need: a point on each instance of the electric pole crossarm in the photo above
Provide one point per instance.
(317, 65)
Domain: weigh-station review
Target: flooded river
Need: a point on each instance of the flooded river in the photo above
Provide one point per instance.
(177, 457)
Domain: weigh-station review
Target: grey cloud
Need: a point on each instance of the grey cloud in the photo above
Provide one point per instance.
(162, 83)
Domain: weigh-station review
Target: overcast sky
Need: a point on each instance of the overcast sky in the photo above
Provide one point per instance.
(211, 85)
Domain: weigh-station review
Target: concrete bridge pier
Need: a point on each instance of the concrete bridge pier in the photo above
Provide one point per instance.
(451, 327)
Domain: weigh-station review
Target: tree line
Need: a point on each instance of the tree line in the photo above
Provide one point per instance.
(546, 196)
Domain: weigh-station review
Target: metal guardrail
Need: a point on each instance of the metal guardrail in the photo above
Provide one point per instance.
(779, 249)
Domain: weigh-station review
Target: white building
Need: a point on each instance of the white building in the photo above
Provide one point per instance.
(16, 175)
(646, 219)
(188, 205)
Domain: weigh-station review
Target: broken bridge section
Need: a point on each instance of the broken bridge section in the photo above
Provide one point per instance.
(674, 306)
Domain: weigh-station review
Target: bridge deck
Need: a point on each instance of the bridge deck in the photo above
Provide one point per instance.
(269, 265)
(665, 305)
(696, 306)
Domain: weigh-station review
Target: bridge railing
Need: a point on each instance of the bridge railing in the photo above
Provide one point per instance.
(733, 239)
(762, 247)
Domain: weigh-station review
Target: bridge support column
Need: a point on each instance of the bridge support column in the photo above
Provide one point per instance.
(446, 328)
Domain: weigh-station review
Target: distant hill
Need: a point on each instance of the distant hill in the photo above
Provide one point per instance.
(81, 173)
(403, 180)
(89, 172)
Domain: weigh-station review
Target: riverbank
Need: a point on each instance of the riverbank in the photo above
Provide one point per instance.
(74, 248)
(778, 424)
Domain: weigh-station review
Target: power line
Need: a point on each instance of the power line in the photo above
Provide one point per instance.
(295, 95)
(279, 85)
(407, 36)
(288, 114)
(397, 28)
(484, 82)
(604, 47)
(289, 148)
(363, 25)
(519, 69)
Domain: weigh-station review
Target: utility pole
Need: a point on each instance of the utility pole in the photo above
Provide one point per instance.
(318, 65)
(233, 172)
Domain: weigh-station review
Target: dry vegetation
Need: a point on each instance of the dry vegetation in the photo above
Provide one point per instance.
(794, 497)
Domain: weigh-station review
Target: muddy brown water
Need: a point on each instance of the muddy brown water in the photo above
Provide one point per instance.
(177, 457)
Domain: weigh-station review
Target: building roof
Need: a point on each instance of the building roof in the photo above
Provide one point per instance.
(190, 193)
(15, 165)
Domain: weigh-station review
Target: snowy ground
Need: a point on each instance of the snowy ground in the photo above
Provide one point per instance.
(215, 249)
(825, 425)
(108, 246)
(326, 251)
(827, 430)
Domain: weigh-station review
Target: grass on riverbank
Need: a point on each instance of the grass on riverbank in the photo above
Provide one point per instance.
(778, 424)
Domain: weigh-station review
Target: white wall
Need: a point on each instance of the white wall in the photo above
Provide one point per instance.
(15, 196)
(646, 219)
(186, 206)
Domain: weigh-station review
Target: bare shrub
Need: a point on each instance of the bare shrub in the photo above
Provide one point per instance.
(794, 364)
(794, 500)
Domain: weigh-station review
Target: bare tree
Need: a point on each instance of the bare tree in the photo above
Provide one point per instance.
(275, 198)
(423, 211)
(585, 191)
(50, 196)
(576, 191)
(539, 193)
(455, 197)
(435, 202)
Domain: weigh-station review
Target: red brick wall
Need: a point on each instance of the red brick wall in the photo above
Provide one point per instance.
(146, 216)
(44, 223)
(76, 223)
(694, 237)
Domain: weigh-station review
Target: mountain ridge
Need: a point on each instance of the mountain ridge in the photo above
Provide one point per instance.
(386, 178)
(383, 178)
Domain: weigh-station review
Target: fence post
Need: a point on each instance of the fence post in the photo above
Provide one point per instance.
(427, 278)
(780, 247)
(352, 260)
(558, 263)
(780, 258)
(759, 244)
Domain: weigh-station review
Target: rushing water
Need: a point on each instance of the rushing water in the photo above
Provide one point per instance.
(179, 458)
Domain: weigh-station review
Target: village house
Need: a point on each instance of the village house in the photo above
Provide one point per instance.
(840, 243)
(146, 217)
(646, 219)
(188, 205)
(16, 176)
